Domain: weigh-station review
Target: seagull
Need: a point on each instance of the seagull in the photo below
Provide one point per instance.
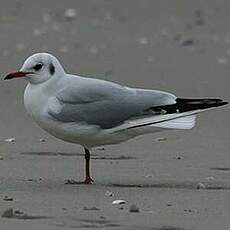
(92, 112)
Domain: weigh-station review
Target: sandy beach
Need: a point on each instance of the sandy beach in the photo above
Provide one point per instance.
(173, 180)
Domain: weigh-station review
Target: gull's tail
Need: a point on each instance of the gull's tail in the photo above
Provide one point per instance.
(187, 108)
(180, 115)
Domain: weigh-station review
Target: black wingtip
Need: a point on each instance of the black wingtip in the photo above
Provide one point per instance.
(203, 103)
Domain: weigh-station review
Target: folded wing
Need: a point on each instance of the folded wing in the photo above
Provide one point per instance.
(105, 104)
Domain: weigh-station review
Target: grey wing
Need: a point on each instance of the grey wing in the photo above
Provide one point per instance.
(105, 105)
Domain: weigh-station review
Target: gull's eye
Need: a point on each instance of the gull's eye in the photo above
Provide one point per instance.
(38, 66)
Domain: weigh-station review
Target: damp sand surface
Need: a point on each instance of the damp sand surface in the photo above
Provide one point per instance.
(174, 180)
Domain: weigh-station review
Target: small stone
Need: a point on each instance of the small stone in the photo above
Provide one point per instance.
(178, 158)
(8, 213)
(18, 212)
(164, 32)
(150, 59)
(101, 149)
(37, 32)
(46, 17)
(199, 20)
(149, 176)
(133, 208)
(201, 186)
(1, 158)
(109, 193)
(169, 205)
(210, 178)
(70, 14)
(20, 47)
(143, 41)
(187, 210)
(42, 140)
(161, 139)
(93, 50)
(222, 60)
(118, 202)
(90, 209)
(8, 198)
(187, 42)
(10, 140)
(64, 49)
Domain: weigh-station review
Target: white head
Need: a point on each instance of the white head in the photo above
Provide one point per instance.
(38, 68)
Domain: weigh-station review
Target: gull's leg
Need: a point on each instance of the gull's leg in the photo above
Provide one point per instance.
(88, 179)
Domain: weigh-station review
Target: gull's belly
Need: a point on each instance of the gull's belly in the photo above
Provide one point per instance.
(36, 104)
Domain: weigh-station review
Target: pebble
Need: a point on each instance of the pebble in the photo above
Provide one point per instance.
(8, 198)
(118, 202)
(91, 208)
(101, 149)
(187, 42)
(201, 186)
(64, 49)
(42, 140)
(149, 176)
(164, 32)
(150, 59)
(210, 178)
(18, 212)
(37, 32)
(93, 50)
(8, 213)
(46, 17)
(134, 208)
(20, 47)
(10, 140)
(222, 60)
(161, 139)
(187, 210)
(143, 41)
(109, 193)
(70, 14)
(1, 158)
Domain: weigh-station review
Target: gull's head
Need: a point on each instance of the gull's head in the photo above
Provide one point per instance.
(38, 68)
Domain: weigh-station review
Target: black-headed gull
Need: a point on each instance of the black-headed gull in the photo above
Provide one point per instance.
(93, 112)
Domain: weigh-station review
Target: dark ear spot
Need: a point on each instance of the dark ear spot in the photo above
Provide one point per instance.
(51, 68)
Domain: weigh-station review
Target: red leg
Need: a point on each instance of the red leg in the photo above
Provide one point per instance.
(88, 179)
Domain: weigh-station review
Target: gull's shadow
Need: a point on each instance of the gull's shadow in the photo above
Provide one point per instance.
(95, 156)
(221, 168)
(51, 154)
(191, 185)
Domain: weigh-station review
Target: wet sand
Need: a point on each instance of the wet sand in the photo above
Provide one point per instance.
(180, 181)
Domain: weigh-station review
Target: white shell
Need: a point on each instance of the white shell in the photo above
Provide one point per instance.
(117, 202)
(201, 186)
(10, 140)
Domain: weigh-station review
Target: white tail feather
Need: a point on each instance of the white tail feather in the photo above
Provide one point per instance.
(184, 120)
(187, 122)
